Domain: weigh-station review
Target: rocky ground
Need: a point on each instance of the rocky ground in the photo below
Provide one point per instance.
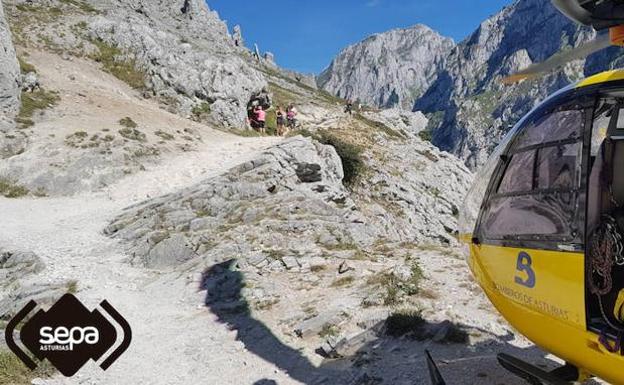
(326, 257)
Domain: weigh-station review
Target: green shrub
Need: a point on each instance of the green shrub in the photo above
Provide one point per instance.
(133, 134)
(125, 70)
(11, 189)
(426, 135)
(72, 286)
(33, 102)
(164, 135)
(128, 122)
(350, 154)
(201, 110)
(14, 372)
(329, 330)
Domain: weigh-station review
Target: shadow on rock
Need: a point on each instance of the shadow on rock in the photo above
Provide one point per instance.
(383, 359)
(224, 283)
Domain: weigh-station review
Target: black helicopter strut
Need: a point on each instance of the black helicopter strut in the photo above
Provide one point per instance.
(564, 375)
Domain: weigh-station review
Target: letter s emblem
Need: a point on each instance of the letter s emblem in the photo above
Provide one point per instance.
(524, 264)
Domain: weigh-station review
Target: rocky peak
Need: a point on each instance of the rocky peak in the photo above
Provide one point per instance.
(388, 69)
(473, 109)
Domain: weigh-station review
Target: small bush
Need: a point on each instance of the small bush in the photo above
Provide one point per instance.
(112, 61)
(329, 331)
(396, 288)
(32, 102)
(72, 286)
(201, 110)
(350, 154)
(11, 189)
(133, 134)
(246, 133)
(128, 122)
(406, 321)
(164, 135)
(76, 139)
(426, 135)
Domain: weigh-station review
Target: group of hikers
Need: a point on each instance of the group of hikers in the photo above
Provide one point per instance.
(285, 119)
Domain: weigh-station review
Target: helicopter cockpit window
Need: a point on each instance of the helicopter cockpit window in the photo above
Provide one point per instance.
(560, 125)
(536, 197)
(519, 175)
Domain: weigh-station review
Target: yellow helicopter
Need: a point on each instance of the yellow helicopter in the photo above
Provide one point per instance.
(544, 221)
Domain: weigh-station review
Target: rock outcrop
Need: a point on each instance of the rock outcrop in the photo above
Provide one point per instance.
(411, 123)
(188, 57)
(390, 69)
(281, 202)
(19, 282)
(9, 73)
(289, 206)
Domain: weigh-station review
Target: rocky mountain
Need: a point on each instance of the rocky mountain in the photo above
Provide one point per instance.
(468, 107)
(390, 69)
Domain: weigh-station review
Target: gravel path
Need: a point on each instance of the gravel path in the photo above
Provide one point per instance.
(174, 341)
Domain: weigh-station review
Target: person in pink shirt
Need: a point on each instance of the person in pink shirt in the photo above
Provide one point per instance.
(259, 120)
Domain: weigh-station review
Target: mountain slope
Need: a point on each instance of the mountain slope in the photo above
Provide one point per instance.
(469, 109)
(473, 109)
(388, 69)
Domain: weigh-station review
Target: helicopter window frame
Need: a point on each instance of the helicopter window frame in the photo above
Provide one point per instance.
(570, 101)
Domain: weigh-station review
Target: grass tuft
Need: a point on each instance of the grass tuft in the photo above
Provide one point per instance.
(14, 372)
(32, 102)
(133, 134)
(112, 61)
(11, 189)
(201, 111)
(329, 330)
(128, 122)
(344, 281)
(350, 154)
(72, 286)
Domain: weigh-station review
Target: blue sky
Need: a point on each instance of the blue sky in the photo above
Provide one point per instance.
(306, 35)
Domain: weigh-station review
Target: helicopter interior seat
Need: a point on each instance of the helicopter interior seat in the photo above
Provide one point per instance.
(598, 207)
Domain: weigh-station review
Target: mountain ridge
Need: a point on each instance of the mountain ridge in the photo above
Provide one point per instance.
(402, 52)
(468, 106)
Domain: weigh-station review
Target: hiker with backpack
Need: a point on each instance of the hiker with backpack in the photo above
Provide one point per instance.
(281, 121)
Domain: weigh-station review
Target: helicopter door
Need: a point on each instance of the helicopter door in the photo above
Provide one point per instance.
(605, 221)
(530, 240)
